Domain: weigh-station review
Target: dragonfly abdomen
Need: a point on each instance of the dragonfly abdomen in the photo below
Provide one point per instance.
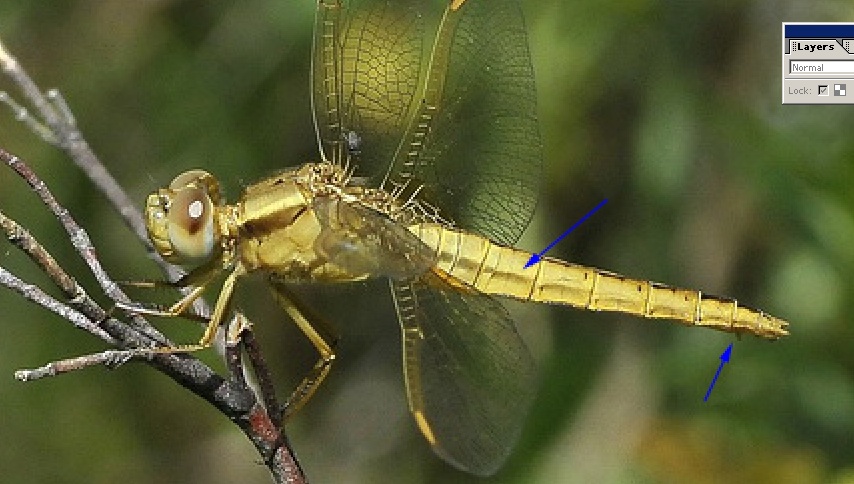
(500, 270)
(560, 282)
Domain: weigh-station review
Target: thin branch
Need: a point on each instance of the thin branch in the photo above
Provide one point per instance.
(84, 247)
(235, 400)
(78, 298)
(33, 293)
(262, 371)
(78, 237)
(279, 457)
(67, 137)
(60, 129)
(109, 358)
(139, 339)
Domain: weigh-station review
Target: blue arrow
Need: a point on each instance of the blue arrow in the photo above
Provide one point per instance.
(724, 360)
(536, 257)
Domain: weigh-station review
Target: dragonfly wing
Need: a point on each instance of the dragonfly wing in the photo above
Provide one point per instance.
(366, 66)
(473, 145)
(364, 241)
(470, 379)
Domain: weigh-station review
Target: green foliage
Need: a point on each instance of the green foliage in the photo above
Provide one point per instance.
(669, 109)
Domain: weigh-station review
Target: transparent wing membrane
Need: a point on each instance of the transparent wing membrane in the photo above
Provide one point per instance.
(366, 69)
(469, 377)
(474, 144)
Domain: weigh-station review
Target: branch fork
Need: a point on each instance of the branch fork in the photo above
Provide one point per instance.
(130, 335)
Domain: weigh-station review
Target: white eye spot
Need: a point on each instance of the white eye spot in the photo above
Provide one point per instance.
(196, 209)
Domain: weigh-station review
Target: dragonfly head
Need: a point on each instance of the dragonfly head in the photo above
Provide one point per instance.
(181, 219)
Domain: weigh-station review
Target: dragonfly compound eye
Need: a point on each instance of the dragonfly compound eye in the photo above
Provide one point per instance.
(191, 224)
(181, 219)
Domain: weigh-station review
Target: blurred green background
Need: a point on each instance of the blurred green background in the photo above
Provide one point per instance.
(669, 109)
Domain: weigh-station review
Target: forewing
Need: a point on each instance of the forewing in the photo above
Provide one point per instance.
(473, 146)
(366, 68)
(470, 379)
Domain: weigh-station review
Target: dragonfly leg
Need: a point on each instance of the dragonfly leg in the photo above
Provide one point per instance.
(220, 308)
(197, 280)
(180, 307)
(177, 309)
(313, 331)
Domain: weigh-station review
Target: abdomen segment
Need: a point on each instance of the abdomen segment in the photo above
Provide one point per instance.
(494, 269)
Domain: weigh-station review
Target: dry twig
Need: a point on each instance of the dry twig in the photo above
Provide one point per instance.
(135, 338)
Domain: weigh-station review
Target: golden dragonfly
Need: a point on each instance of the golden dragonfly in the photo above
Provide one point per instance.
(430, 162)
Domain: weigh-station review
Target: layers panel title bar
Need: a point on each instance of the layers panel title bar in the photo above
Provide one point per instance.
(818, 63)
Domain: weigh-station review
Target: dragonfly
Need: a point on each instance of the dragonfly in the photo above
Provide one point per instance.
(429, 170)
